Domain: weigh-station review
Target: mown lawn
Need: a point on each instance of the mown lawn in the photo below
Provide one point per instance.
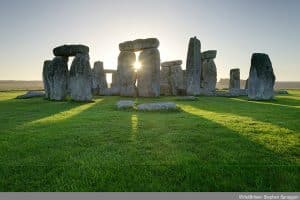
(212, 144)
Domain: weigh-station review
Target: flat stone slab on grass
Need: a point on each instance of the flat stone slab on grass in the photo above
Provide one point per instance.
(31, 94)
(157, 106)
(186, 98)
(124, 104)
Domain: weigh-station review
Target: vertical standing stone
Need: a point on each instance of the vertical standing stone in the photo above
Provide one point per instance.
(99, 83)
(127, 74)
(115, 84)
(81, 78)
(149, 74)
(193, 67)
(208, 72)
(261, 78)
(58, 78)
(234, 83)
(165, 88)
(46, 77)
(246, 85)
(177, 80)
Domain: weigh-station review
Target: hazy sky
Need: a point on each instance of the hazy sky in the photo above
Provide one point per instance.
(31, 29)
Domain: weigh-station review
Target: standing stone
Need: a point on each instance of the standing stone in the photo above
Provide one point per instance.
(46, 77)
(234, 83)
(177, 80)
(115, 84)
(193, 67)
(165, 87)
(99, 83)
(81, 78)
(57, 78)
(127, 74)
(261, 78)
(208, 72)
(149, 74)
(246, 85)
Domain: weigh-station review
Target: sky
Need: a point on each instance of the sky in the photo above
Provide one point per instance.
(235, 28)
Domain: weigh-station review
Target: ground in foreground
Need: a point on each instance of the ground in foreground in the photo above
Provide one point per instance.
(212, 144)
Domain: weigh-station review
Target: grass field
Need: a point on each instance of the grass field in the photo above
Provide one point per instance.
(212, 144)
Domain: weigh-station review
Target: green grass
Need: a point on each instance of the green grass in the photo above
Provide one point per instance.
(212, 144)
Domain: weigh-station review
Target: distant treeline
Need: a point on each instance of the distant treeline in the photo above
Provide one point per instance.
(222, 84)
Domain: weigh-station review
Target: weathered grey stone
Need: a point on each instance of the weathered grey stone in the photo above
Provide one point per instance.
(210, 54)
(234, 83)
(31, 94)
(246, 85)
(99, 83)
(46, 77)
(123, 104)
(157, 106)
(165, 87)
(281, 91)
(70, 50)
(127, 74)
(149, 74)
(115, 84)
(261, 78)
(139, 44)
(171, 63)
(57, 78)
(176, 80)
(193, 67)
(81, 78)
(208, 77)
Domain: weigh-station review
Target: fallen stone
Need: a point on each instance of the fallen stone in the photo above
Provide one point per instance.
(139, 44)
(261, 78)
(31, 94)
(193, 67)
(70, 50)
(171, 63)
(210, 54)
(81, 78)
(123, 104)
(148, 78)
(186, 98)
(281, 92)
(157, 106)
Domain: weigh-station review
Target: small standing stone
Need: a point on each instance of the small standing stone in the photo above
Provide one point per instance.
(99, 83)
(46, 77)
(165, 88)
(81, 78)
(193, 67)
(208, 73)
(261, 78)
(234, 83)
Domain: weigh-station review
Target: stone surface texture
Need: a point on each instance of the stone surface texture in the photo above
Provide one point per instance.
(193, 67)
(157, 106)
(139, 44)
(122, 104)
(70, 50)
(99, 83)
(234, 82)
(31, 94)
(261, 78)
(81, 78)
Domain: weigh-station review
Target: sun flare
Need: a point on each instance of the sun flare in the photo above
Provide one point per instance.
(137, 65)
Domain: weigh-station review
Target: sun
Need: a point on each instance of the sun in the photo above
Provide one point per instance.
(137, 65)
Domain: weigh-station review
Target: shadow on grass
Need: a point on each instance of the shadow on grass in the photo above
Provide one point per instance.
(103, 149)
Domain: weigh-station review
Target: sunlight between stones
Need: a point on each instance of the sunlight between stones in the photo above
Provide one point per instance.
(273, 137)
(65, 114)
(134, 126)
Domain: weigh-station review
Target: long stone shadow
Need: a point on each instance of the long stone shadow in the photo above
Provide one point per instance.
(281, 116)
